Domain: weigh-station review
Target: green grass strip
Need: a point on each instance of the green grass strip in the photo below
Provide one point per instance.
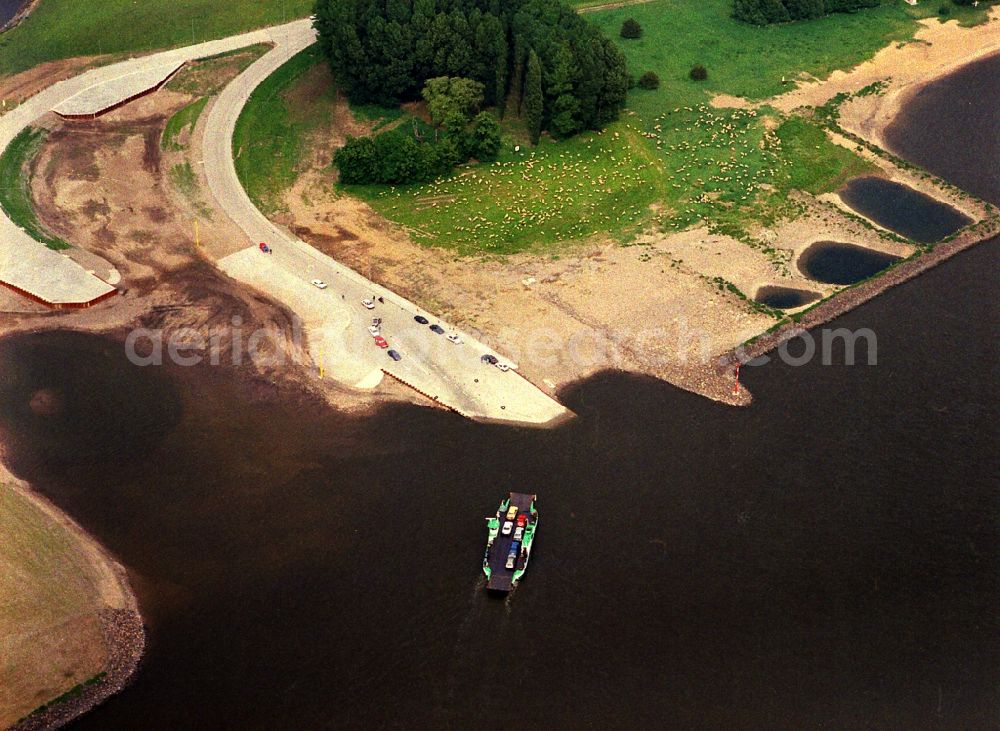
(15, 189)
(267, 143)
(186, 118)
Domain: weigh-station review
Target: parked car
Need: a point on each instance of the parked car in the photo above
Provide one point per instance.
(453, 337)
(519, 533)
(421, 319)
(491, 359)
(502, 366)
(319, 284)
(394, 355)
(381, 342)
(373, 329)
(507, 526)
(515, 549)
(437, 329)
(522, 519)
(369, 305)
(511, 512)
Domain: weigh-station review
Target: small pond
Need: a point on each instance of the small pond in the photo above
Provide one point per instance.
(902, 209)
(785, 298)
(834, 262)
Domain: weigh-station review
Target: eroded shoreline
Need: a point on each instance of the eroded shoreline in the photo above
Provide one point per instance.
(120, 621)
(20, 15)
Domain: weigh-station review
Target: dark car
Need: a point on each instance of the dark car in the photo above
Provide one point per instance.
(421, 319)
(438, 329)
(394, 355)
(491, 359)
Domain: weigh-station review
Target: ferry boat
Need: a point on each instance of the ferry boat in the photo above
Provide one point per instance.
(508, 543)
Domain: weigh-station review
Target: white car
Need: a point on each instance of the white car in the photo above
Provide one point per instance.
(369, 305)
(503, 367)
(507, 526)
(519, 533)
(318, 283)
(453, 337)
(373, 329)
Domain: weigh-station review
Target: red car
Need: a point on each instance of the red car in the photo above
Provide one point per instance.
(381, 342)
(522, 519)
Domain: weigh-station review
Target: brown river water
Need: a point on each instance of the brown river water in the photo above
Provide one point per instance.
(827, 557)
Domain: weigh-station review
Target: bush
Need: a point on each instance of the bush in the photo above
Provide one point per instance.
(631, 29)
(944, 10)
(394, 158)
(699, 72)
(484, 140)
(649, 80)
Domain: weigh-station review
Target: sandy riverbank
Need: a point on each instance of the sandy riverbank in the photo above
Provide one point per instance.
(936, 50)
(111, 627)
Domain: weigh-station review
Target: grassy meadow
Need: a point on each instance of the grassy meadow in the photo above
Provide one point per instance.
(59, 29)
(742, 60)
(672, 161)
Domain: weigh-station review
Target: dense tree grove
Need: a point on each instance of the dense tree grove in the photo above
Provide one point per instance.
(763, 12)
(385, 50)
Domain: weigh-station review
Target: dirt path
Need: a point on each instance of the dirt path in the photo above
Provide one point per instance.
(612, 6)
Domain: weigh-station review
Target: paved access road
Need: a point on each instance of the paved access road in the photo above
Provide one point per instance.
(334, 318)
(29, 265)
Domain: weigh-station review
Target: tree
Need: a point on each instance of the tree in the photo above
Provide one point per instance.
(698, 72)
(805, 9)
(760, 12)
(563, 120)
(448, 97)
(484, 140)
(649, 80)
(356, 160)
(533, 101)
(631, 29)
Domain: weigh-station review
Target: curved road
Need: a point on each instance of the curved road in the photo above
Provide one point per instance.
(74, 277)
(336, 322)
(334, 318)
